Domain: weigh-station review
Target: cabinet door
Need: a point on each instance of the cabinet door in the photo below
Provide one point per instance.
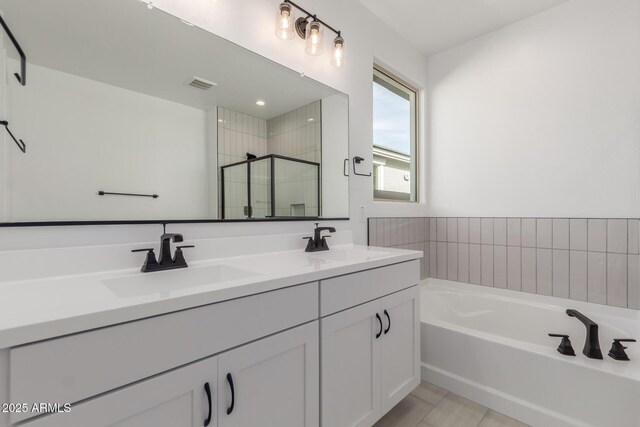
(350, 367)
(399, 346)
(177, 398)
(273, 382)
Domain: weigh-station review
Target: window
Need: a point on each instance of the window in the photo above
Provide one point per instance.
(394, 138)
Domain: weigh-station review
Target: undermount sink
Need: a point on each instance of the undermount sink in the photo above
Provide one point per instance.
(165, 282)
(350, 255)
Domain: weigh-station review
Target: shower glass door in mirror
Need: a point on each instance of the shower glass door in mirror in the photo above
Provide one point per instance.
(129, 114)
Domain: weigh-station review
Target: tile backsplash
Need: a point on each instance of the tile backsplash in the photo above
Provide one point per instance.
(595, 260)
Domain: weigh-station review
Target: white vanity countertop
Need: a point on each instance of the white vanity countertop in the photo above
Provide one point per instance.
(34, 310)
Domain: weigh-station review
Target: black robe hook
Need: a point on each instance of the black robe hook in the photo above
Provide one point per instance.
(21, 145)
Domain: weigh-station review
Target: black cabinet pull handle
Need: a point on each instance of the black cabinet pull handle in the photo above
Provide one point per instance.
(233, 394)
(386, 313)
(207, 390)
(380, 322)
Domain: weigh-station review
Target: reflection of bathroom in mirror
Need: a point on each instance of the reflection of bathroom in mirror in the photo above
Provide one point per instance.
(123, 99)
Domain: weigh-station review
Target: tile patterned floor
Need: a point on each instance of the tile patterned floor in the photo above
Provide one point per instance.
(431, 406)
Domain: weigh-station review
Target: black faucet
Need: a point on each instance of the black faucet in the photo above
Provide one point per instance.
(318, 242)
(591, 343)
(167, 262)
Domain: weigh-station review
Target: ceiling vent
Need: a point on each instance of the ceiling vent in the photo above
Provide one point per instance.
(200, 83)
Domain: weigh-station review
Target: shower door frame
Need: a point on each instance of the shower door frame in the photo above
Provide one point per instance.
(272, 158)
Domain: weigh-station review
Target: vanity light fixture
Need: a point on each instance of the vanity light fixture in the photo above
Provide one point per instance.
(260, 103)
(310, 28)
(285, 21)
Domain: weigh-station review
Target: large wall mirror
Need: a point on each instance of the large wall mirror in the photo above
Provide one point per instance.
(130, 114)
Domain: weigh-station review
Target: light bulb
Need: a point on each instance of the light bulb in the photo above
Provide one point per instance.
(338, 57)
(315, 38)
(284, 22)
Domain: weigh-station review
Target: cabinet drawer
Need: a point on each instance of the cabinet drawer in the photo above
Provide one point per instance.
(340, 293)
(76, 367)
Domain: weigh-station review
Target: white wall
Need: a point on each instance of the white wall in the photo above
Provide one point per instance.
(83, 136)
(335, 148)
(540, 118)
(249, 23)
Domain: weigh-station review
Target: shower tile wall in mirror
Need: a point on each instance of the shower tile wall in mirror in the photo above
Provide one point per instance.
(123, 99)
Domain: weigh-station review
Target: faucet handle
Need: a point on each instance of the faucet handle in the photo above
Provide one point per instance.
(150, 261)
(565, 345)
(617, 350)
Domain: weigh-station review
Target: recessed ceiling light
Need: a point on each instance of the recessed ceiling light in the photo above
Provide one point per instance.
(260, 102)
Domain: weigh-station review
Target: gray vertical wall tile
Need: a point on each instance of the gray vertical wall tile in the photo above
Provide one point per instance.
(441, 225)
(433, 229)
(486, 225)
(633, 235)
(560, 233)
(442, 260)
(500, 265)
(463, 230)
(475, 264)
(406, 230)
(529, 232)
(424, 230)
(499, 231)
(617, 236)
(561, 271)
(379, 232)
(373, 238)
(544, 272)
(544, 233)
(433, 259)
(475, 230)
(529, 270)
(513, 232)
(578, 234)
(597, 277)
(633, 281)
(597, 235)
(487, 265)
(452, 230)
(578, 275)
(617, 279)
(410, 233)
(424, 261)
(463, 262)
(393, 231)
(514, 270)
(386, 237)
(452, 261)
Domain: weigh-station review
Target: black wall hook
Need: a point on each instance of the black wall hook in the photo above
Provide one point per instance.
(21, 145)
(22, 77)
(356, 161)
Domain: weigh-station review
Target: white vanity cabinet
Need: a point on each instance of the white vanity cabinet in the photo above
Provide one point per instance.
(336, 352)
(177, 398)
(273, 382)
(371, 352)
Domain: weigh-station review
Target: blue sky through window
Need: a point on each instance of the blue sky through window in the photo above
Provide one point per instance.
(391, 120)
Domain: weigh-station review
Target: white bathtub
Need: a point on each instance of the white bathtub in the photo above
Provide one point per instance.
(491, 346)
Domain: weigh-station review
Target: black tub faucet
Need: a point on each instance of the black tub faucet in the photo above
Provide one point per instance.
(591, 343)
(318, 242)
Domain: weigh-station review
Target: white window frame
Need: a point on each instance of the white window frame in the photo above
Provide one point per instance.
(399, 84)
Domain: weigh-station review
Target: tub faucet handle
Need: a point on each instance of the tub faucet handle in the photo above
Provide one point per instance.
(617, 350)
(565, 345)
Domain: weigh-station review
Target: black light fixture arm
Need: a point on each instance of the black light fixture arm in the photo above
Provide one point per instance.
(21, 145)
(311, 15)
(22, 77)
